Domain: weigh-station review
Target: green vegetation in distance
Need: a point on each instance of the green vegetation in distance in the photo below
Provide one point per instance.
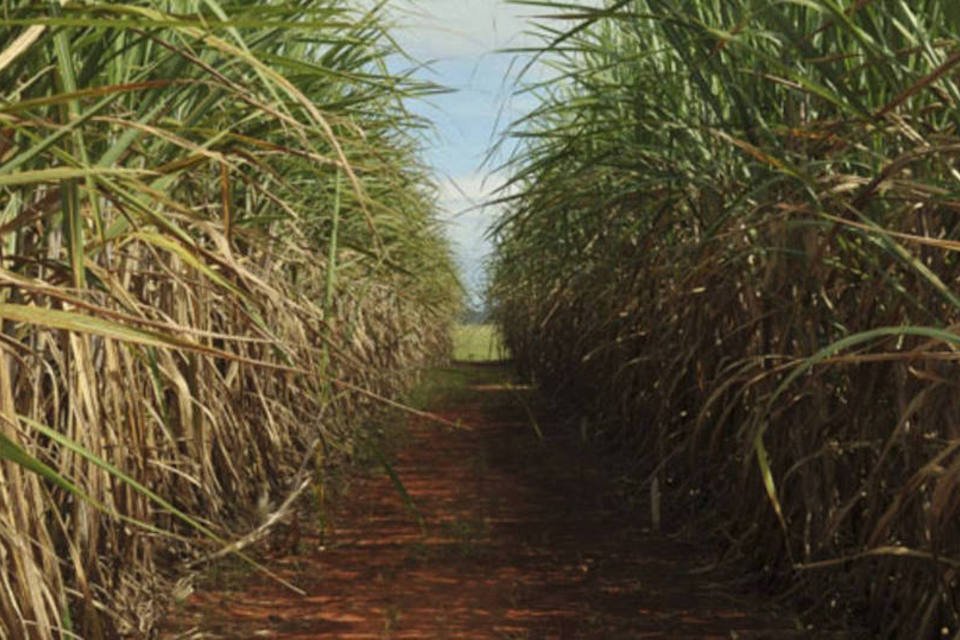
(477, 343)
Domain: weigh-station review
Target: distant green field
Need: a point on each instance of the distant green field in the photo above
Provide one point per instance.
(477, 343)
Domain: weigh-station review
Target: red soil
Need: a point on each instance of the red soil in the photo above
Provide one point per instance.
(521, 539)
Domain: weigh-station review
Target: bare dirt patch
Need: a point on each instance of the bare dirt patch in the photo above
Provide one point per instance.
(520, 538)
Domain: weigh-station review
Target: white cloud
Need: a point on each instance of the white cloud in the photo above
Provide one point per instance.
(467, 218)
(474, 187)
(457, 28)
(466, 212)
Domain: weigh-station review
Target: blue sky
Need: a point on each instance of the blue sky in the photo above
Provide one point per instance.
(460, 39)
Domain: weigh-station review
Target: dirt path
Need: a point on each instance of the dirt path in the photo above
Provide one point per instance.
(519, 541)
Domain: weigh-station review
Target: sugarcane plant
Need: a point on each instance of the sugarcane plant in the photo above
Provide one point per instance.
(731, 233)
(218, 253)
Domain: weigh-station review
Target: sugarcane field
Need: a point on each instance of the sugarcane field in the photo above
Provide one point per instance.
(479, 319)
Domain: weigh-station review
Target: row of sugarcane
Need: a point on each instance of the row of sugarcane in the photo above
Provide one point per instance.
(731, 239)
(219, 259)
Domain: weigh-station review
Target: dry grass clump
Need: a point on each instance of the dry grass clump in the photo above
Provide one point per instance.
(734, 239)
(217, 249)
